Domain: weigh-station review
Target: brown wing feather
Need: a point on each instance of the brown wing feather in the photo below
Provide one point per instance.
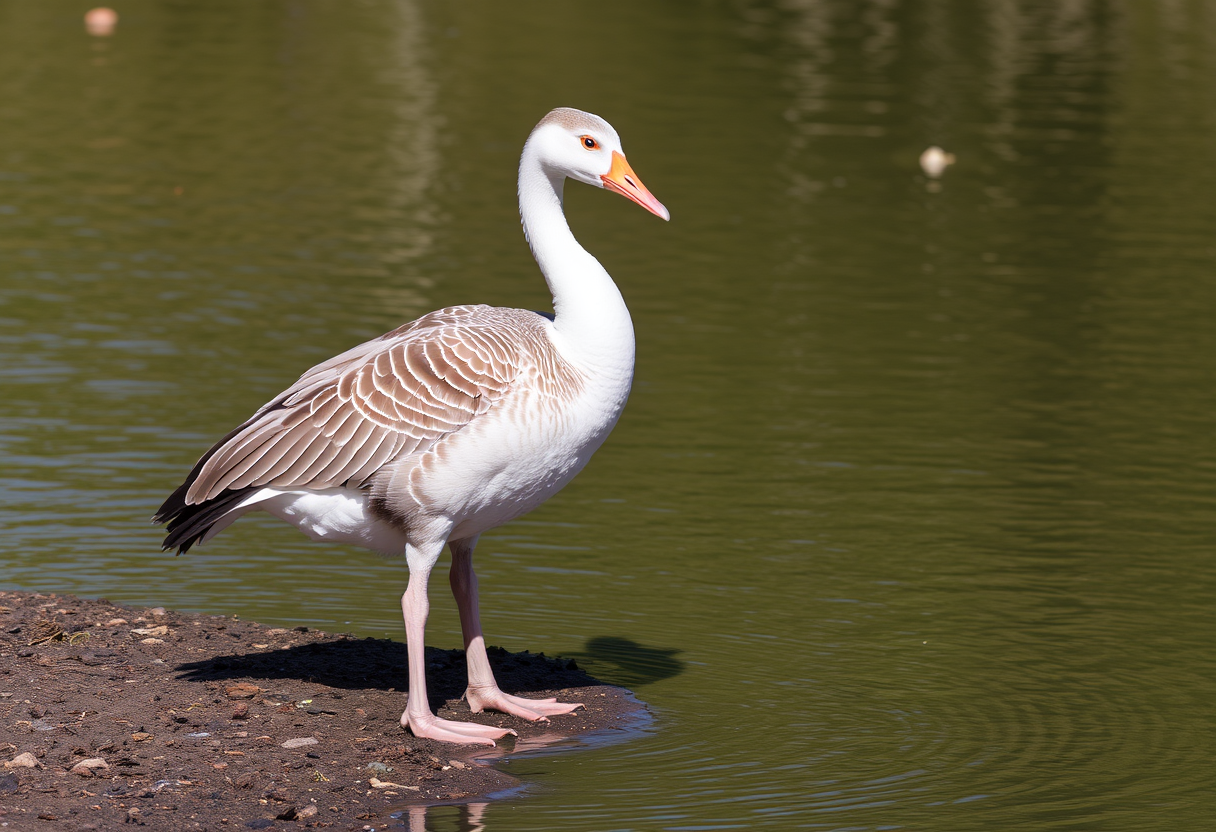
(347, 417)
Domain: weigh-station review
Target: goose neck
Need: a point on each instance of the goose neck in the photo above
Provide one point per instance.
(590, 316)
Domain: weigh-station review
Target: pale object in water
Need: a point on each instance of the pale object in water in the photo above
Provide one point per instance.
(934, 162)
(100, 21)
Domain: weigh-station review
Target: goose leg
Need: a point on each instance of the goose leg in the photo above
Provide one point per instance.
(483, 692)
(415, 606)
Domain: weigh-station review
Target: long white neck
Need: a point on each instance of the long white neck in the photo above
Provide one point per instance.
(591, 322)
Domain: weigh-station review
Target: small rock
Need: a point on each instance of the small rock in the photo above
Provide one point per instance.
(307, 812)
(376, 783)
(300, 742)
(141, 736)
(161, 630)
(26, 760)
(242, 690)
(115, 622)
(457, 764)
(157, 611)
(241, 711)
(87, 768)
(152, 641)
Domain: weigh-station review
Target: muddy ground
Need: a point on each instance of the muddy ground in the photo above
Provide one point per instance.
(113, 717)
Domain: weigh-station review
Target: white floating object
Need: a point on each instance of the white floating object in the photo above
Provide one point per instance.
(934, 162)
(101, 21)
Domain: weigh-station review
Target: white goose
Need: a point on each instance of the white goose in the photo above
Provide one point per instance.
(448, 426)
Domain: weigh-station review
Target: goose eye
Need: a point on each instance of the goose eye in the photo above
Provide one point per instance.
(590, 143)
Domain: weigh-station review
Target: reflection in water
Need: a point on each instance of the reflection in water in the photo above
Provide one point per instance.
(467, 817)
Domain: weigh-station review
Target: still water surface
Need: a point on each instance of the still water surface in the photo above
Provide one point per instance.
(909, 523)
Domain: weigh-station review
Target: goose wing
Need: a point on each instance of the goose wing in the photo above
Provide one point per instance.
(347, 417)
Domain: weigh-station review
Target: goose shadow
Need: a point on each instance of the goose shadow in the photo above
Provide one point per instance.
(628, 663)
(380, 664)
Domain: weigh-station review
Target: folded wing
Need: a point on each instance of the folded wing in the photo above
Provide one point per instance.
(346, 418)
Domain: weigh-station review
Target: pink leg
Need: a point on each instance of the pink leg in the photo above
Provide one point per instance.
(483, 692)
(418, 718)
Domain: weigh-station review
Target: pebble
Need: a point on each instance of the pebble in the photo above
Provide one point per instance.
(86, 768)
(25, 760)
(376, 783)
(141, 736)
(242, 690)
(162, 630)
(300, 742)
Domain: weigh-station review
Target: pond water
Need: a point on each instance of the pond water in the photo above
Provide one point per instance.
(910, 520)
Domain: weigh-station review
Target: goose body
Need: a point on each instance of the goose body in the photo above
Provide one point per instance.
(448, 426)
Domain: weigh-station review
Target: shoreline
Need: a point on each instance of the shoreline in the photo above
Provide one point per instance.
(119, 715)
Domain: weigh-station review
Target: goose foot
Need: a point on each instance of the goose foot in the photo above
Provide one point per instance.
(491, 698)
(432, 727)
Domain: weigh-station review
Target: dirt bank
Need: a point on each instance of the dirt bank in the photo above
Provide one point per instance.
(112, 716)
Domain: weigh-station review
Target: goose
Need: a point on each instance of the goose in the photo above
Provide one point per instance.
(448, 426)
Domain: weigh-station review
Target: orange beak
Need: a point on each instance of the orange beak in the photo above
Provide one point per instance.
(624, 181)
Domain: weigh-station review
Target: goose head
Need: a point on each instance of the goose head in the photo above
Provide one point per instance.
(582, 146)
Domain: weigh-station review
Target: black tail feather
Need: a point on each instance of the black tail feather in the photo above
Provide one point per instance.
(188, 524)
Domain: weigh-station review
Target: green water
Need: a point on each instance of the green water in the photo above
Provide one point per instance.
(910, 522)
